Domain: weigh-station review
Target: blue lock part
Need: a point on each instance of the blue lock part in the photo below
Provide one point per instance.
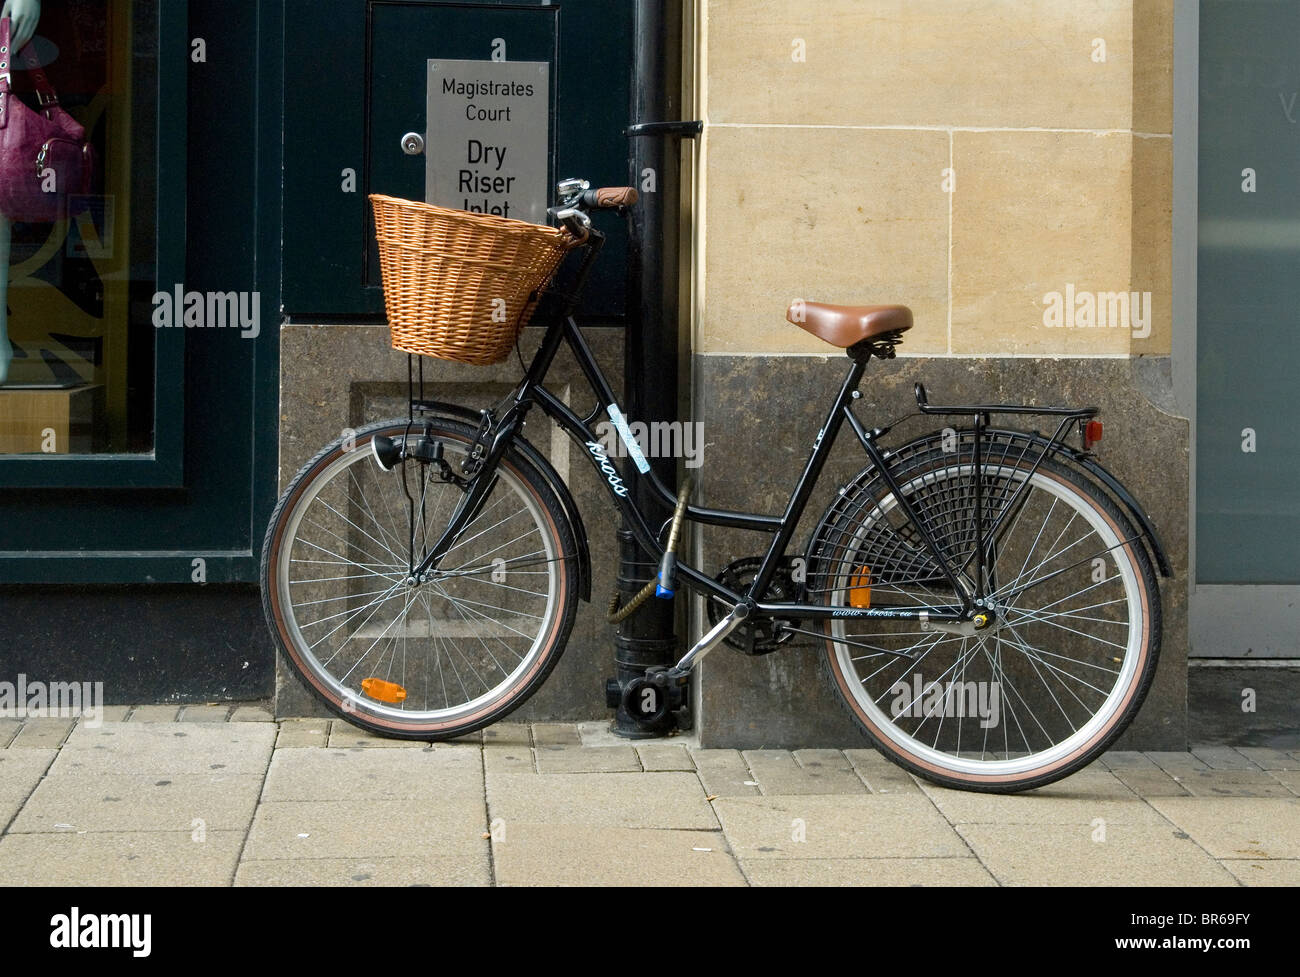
(667, 584)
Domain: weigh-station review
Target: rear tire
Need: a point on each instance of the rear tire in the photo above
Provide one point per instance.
(1076, 634)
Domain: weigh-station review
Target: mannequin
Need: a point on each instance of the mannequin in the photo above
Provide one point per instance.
(23, 16)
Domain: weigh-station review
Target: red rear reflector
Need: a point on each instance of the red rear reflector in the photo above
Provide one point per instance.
(1091, 434)
(377, 688)
(860, 588)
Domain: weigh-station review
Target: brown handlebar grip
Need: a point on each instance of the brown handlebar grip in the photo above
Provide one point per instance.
(616, 197)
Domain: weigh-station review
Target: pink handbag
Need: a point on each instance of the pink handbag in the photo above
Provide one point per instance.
(44, 155)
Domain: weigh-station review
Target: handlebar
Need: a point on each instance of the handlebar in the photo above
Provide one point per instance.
(577, 198)
(607, 198)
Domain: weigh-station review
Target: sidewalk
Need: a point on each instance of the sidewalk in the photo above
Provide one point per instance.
(223, 795)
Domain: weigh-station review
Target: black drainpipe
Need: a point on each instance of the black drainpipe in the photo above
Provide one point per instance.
(647, 637)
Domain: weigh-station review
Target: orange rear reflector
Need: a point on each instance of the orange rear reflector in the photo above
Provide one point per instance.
(1091, 434)
(384, 691)
(860, 588)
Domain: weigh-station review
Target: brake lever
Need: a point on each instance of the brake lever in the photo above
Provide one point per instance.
(577, 221)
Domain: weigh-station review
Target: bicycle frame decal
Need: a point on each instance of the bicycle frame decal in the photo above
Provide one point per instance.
(607, 468)
(625, 432)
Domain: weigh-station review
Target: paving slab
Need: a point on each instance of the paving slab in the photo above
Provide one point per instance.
(556, 734)
(296, 733)
(366, 828)
(85, 801)
(361, 774)
(1223, 758)
(1067, 855)
(1175, 763)
(1269, 759)
(1126, 760)
(1149, 782)
(1260, 872)
(508, 734)
(1290, 779)
(657, 758)
(1225, 782)
(211, 713)
(837, 826)
(803, 772)
(100, 858)
(8, 730)
(464, 868)
(1073, 801)
(567, 854)
(114, 714)
(154, 714)
(893, 872)
(724, 773)
(44, 733)
(508, 758)
(881, 776)
(553, 758)
(167, 749)
(20, 772)
(252, 714)
(1237, 827)
(346, 736)
(599, 733)
(616, 800)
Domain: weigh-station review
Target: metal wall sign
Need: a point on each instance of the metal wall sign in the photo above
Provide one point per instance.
(488, 137)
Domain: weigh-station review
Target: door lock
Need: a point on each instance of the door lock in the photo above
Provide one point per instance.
(413, 144)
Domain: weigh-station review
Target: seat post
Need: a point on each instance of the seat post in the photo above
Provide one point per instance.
(881, 347)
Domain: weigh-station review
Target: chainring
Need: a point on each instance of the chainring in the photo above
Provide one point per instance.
(761, 637)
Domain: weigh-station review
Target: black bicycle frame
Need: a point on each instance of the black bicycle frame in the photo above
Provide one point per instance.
(563, 329)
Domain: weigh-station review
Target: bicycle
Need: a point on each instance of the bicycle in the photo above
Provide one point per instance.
(993, 632)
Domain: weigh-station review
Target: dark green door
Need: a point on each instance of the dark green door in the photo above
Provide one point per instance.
(343, 127)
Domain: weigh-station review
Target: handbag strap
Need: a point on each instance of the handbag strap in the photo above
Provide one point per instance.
(45, 92)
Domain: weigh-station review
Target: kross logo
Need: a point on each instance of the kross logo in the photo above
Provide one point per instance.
(607, 467)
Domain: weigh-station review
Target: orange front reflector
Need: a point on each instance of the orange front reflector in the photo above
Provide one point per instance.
(377, 688)
(860, 588)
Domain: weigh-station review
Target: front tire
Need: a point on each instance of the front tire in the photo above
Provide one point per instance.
(430, 660)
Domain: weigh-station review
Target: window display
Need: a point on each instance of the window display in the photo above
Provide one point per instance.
(77, 238)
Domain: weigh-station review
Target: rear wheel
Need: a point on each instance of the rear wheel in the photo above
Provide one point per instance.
(426, 660)
(1075, 632)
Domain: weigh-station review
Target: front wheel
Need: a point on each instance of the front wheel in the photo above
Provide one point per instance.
(1075, 630)
(421, 660)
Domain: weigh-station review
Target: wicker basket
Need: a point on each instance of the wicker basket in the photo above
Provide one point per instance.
(460, 286)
